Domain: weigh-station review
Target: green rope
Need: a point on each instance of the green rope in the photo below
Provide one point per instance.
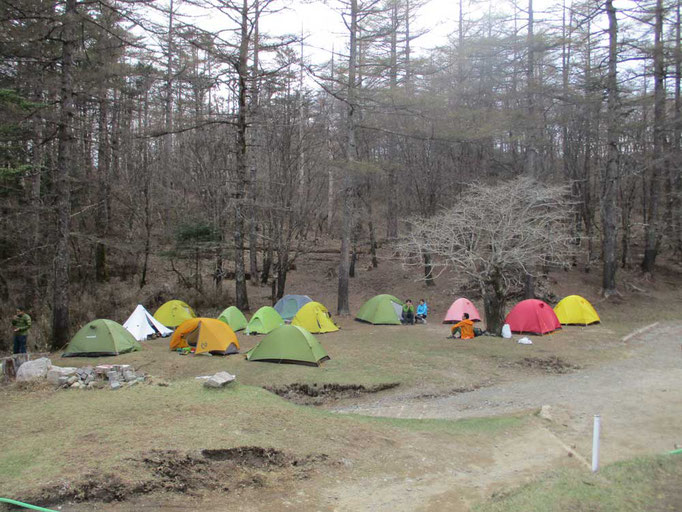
(675, 452)
(25, 505)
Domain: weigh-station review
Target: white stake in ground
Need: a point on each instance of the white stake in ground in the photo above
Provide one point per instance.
(595, 443)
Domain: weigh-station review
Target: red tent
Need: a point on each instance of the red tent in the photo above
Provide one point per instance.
(533, 316)
(458, 308)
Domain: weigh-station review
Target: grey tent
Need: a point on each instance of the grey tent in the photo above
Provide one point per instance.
(288, 306)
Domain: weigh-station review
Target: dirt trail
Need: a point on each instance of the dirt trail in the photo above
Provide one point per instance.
(639, 399)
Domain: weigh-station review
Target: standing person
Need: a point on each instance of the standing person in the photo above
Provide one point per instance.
(465, 328)
(21, 323)
(422, 311)
(408, 312)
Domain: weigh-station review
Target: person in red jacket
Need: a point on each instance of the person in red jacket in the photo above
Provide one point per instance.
(465, 328)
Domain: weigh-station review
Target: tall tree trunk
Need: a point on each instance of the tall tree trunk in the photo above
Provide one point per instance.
(343, 302)
(428, 270)
(62, 185)
(253, 236)
(651, 234)
(241, 296)
(103, 175)
(609, 183)
(494, 304)
(675, 168)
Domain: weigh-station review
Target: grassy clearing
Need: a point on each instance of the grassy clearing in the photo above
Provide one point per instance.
(648, 484)
(73, 433)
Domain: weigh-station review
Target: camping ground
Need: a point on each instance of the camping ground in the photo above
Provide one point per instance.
(408, 420)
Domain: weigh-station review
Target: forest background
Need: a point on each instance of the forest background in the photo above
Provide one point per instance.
(135, 139)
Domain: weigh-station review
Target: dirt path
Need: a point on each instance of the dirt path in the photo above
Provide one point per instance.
(639, 399)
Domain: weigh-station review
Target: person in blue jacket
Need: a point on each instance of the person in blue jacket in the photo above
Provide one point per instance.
(422, 311)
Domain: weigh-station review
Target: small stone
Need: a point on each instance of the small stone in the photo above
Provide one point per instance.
(75, 385)
(546, 412)
(162, 383)
(131, 383)
(113, 376)
(219, 380)
(115, 385)
(72, 379)
(56, 373)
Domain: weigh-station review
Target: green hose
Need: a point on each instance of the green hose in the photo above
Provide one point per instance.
(25, 505)
(675, 452)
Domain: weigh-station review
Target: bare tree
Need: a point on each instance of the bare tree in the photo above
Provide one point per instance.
(494, 238)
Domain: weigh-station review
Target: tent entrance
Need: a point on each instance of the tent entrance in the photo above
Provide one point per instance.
(398, 308)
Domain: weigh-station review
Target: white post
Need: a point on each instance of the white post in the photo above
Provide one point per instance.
(595, 443)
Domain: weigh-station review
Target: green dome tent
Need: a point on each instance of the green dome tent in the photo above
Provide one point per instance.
(101, 338)
(265, 320)
(382, 309)
(234, 318)
(289, 344)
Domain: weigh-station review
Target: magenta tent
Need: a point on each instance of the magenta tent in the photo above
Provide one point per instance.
(533, 316)
(458, 308)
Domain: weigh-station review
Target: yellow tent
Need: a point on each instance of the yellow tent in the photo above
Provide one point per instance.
(576, 310)
(315, 318)
(207, 335)
(173, 313)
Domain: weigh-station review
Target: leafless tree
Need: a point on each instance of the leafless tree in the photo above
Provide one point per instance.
(494, 237)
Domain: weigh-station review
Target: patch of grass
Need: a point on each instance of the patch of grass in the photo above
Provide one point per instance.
(648, 484)
(485, 426)
(73, 432)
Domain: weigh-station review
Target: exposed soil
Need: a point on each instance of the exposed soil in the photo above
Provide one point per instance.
(218, 470)
(319, 394)
(552, 364)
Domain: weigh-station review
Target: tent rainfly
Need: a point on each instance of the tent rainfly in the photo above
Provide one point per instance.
(532, 316)
(101, 338)
(458, 308)
(288, 306)
(314, 318)
(173, 313)
(381, 310)
(265, 320)
(142, 325)
(289, 344)
(208, 335)
(234, 318)
(576, 310)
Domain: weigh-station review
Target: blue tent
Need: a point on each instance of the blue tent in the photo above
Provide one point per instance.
(289, 305)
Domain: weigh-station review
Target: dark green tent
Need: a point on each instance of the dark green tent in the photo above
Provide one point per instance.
(101, 338)
(289, 344)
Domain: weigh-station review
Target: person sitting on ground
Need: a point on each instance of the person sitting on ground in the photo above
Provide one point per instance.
(422, 311)
(465, 328)
(408, 313)
(21, 323)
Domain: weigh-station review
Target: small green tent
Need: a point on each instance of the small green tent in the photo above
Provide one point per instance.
(265, 320)
(234, 318)
(382, 309)
(102, 338)
(289, 344)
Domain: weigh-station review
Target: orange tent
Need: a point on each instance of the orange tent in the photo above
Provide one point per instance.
(207, 335)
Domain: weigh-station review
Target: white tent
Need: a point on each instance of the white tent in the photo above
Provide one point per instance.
(142, 325)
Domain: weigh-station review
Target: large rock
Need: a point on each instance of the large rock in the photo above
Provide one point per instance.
(219, 380)
(34, 370)
(55, 372)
